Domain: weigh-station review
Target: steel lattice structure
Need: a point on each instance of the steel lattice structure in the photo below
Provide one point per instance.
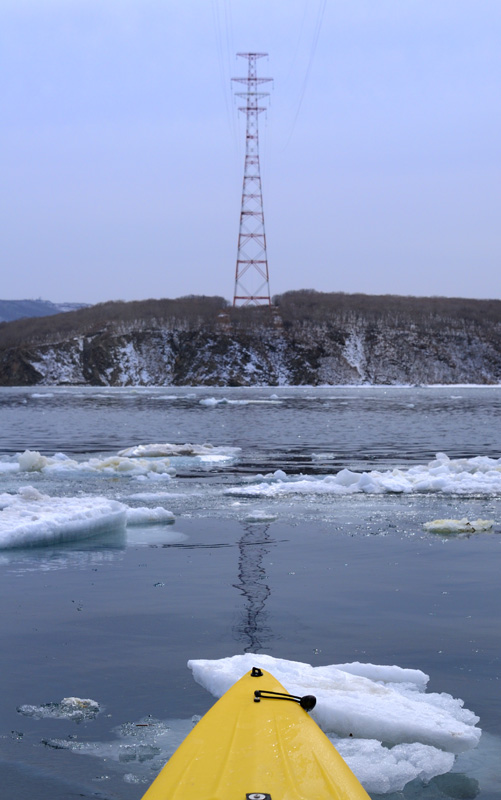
(252, 260)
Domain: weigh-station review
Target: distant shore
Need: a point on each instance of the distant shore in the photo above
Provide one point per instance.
(305, 338)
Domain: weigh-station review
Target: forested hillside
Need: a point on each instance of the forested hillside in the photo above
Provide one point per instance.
(307, 337)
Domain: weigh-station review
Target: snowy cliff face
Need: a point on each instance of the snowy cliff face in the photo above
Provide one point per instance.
(351, 350)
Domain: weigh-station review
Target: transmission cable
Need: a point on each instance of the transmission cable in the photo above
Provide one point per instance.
(313, 48)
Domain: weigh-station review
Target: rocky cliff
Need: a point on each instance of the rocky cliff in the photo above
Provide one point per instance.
(308, 338)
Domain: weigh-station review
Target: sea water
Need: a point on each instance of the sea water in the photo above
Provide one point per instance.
(142, 529)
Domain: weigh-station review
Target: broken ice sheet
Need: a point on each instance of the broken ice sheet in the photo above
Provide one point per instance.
(75, 708)
(144, 746)
(389, 729)
(458, 525)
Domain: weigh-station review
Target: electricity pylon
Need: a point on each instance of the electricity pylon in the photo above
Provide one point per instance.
(252, 260)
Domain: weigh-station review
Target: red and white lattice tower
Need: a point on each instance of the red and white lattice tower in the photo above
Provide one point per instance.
(252, 285)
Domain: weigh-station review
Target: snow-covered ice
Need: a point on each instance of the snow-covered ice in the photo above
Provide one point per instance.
(30, 518)
(74, 708)
(260, 515)
(381, 769)
(465, 476)
(390, 729)
(323, 456)
(149, 516)
(379, 707)
(155, 497)
(458, 525)
(190, 450)
(184, 455)
(61, 465)
(144, 461)
(154, 535)
(211, 402)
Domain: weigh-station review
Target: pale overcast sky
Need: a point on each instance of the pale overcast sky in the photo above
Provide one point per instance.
(121, 147)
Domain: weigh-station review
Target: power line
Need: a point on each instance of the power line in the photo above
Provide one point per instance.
(313, 49)
(223, 38)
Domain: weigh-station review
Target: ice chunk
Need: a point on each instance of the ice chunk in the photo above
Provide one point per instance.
(30, 518)
(154, 535)
(145, 744)
(8, 464)
(393, 712)
(162, 450)
(74, 708)
(211, 402)
(259, 515)
(30, 493)
(32, 461)
(149, 516)
(375, 672)
(153, 496)
(280, 475)
(458, 525)
(479, 475)
(383, 769)
(61, 465)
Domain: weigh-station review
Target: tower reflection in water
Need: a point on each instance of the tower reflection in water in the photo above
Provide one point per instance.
(254, 546)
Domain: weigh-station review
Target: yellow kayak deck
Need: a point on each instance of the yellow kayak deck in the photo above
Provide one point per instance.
(248, 748)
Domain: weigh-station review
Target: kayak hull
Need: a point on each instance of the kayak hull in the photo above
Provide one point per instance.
(247, 750)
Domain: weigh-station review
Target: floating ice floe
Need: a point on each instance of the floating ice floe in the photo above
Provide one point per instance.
(211, 402)
(259, 515)
(381, 769)
(479, 475)
(74, 708)
(61, 465)
(458, 525)
(144, 745)
(170, 397)
(30, 518)
(153, 496)
(201, 453)
(154, 536)
(161, 450)
(380, 718)
(149, 516)
(346, 690)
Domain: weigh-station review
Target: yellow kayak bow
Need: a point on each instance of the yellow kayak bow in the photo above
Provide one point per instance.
(257, 743)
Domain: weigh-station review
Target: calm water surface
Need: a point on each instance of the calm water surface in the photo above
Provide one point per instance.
(332, 579)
